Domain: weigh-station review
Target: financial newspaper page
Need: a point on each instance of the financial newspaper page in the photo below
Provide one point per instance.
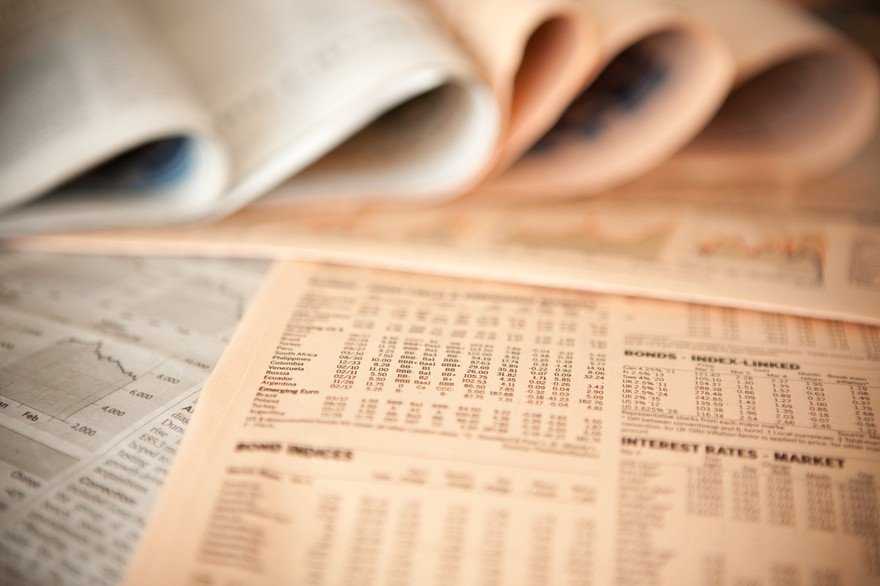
(376, 427)
(763, 249)
(101, 362)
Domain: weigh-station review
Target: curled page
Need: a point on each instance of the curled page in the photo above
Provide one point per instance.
(535, 54)
(94, 117)
(289, 82)
(806, 100)
(663, 76)
(173, 105)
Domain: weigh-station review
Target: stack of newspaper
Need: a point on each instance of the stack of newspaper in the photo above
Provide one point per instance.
(673, 381)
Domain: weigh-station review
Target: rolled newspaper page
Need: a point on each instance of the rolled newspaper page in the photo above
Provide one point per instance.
(805, 102)
(192, 109)
(95, 124)
(363, 98)
(536, 55)
(663, 75)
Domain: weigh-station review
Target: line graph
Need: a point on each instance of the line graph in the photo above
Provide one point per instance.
(592, 237)
(89, 346)
(804, 253)
(62, 378)
(100, 356)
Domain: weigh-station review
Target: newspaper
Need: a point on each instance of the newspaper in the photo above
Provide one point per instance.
(768, 249)
(804, 100)
(153, 111)
(373, 427)
(101, 363)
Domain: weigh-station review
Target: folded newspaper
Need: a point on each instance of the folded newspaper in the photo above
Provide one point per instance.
(153, 111)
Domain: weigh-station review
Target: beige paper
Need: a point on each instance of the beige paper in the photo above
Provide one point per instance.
(536, 56)
(370, 427)
(661, 77)
(805, 102)
(761, 248)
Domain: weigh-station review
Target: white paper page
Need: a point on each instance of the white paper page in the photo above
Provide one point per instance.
(368, 427)
(101, 362)
(287, 82)
(82, 83)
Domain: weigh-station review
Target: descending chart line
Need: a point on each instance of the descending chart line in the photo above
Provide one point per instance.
(100, 356)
